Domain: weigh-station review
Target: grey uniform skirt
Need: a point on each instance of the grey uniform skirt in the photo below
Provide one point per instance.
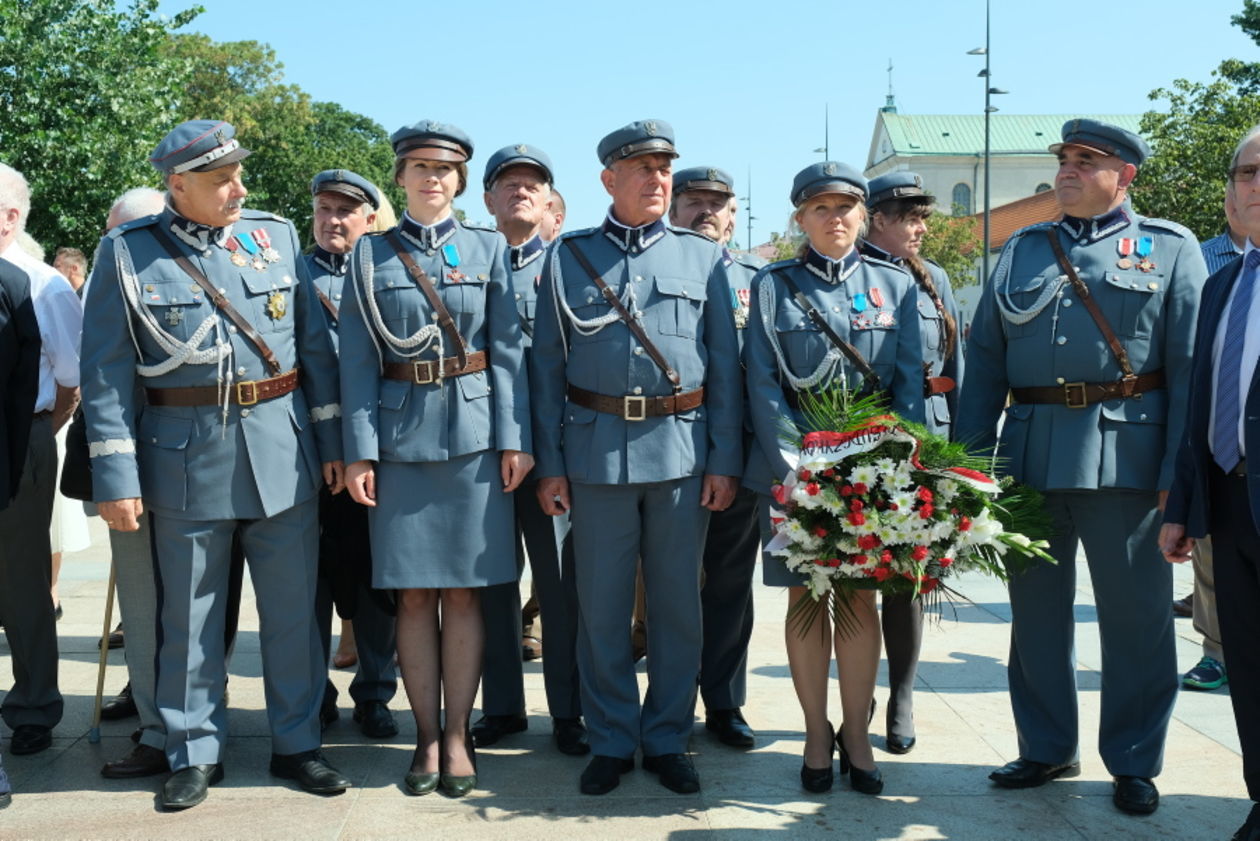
(442, 524)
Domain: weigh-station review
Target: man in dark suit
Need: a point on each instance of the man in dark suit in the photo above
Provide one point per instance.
(19, 381)
(1215, 491)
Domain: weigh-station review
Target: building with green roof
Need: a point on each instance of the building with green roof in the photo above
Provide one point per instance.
(948, 151)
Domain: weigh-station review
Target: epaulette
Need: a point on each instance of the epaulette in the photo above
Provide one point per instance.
(142, 222)
(473, 226)
(747, 260)
(1168, 225)
(690, 233)
(1038, 226)
(884, 264)
(255, 213)
(782, 264)
(574, 234)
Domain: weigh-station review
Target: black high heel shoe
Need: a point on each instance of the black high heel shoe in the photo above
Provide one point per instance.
(454, 785)
(866, 782)
(818, 780)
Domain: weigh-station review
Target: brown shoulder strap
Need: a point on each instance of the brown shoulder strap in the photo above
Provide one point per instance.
(1082, 292)
(218, 299)
(635, 327)
(328, 305)
(440, 312)
(870, 380)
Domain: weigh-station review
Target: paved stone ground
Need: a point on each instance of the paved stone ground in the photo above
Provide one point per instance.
(529, 791)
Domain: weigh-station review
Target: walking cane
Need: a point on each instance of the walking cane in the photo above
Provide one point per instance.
(94, 735)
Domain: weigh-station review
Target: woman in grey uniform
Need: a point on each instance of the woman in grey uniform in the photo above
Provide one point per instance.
(899, 210)
(800, 308)
(437, 434)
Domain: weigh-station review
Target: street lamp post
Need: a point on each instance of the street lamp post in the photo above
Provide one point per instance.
(748, 209)
(988, 110)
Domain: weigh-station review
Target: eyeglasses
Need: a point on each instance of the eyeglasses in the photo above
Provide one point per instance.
(1244, 174)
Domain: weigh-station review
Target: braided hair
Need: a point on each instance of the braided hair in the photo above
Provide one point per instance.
(899, 209)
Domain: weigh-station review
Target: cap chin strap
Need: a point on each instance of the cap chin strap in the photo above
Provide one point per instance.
(213, 155)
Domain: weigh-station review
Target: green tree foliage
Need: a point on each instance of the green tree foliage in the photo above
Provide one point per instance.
(1193, 141)
(85, 93)
(291, 136)
(954, 243)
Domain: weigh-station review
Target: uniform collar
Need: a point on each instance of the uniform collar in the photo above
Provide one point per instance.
(727, 259)
(1097, 227)
(633, 240)
(332, 263)
(428, 237)
(870, 249)
(832, 271)
(194, 234)
(527, 252)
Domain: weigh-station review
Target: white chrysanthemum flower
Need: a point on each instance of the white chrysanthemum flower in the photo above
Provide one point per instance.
(864, 474)
(946, 490)
(885, 467)
(904, 500)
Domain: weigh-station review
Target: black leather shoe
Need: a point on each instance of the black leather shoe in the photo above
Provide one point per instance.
(491, 728)
(143, 761)
(676, 771)
(603, 773)
(570, 735)
(328, 713)
(899, 744)
(730, 727)
(1028, 773)
(120, 706)
(1250, 830)
(819, 780)
(375, 720)
(1135, 795)
(30, 738)
(866, 782)
(310, 771)
(188, 786)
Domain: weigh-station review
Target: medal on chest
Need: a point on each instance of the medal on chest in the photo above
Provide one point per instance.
(277, 305)
(254, 250)
(237, 257)
(740, 300)
(264, 242)
(1145, 245)
(1124, 247)
(174, 316)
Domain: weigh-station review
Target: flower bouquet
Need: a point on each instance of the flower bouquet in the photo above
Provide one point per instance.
(876, 502)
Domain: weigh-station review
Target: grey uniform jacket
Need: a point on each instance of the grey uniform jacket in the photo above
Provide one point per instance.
(194, 462)
(677, 280)
(1030, 329)
(394, 420)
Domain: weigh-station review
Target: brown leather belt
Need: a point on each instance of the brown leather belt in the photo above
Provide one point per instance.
(937, 385)
(635, 407)
(245, 393)
(427, 372)
(1080, 395)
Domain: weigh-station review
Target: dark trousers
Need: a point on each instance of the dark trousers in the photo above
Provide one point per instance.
(730, 557)
(902, 620)
(26, 605)
(1236, 548)
(345, 577)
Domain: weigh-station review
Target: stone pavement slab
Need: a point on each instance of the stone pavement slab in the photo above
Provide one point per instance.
(529, 791)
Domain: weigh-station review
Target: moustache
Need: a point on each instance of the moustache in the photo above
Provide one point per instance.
(701, 218)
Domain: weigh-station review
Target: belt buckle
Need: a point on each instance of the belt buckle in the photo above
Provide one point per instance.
(1067, 395)
(422, 379)
(252, 385)
(634, 408)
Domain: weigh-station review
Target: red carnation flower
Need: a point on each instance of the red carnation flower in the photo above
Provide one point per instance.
(834, 562)
(881, 573)
(846, 490)
(829, 473)
(944, 562)
(859, 487)
(820, 532)
(924, 493)
(857, 518)
(925, 513)
(919, 553)
(805, 474)
(868, 541)
(856, 505)
(860, 560)
(812, 488)
(885, 557)
(927, 585)
(964, 524)
(780, 494)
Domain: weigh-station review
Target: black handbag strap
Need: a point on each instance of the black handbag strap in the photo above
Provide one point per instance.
(219, 300)
(635, 327)
(440, 312)
(870, 379)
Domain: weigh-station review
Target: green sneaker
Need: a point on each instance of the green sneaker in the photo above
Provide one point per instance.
(1208, 675)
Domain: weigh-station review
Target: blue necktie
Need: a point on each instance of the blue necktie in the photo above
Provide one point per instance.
(1229, 369)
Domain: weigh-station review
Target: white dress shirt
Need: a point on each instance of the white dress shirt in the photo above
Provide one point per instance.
(60, 315)
(1250, 355)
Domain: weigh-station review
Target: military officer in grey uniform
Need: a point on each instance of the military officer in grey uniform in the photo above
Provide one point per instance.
(517, 183)
(823, 321)
(899, 209)
(206, 308)
(1089, 323)
(704, 201)
(636, 388)
(345, 205)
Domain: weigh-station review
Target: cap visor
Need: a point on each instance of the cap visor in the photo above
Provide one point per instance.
(433, 153)
(1097, 148)
(238, 154)
(346, 190)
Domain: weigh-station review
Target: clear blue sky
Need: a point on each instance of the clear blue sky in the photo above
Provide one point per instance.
(743, 83)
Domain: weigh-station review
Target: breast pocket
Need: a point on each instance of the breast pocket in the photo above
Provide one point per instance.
(876, 340)
(176, 307)
(803, 343)
(930, 326)
(681, 306)
(464, 291)
(1140, 296)
(271, 294)
(588, 305)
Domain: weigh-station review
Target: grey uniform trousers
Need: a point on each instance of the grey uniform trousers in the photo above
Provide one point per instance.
(1132, 590)
(26, 606)
(614, 526)
(193, 561)
(730, 558)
